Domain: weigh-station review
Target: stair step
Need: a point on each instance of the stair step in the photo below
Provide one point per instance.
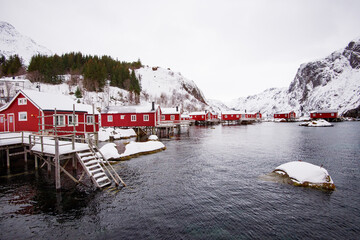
(88, 158)
(93, 167)
(89, 163)
(82, 154)
(102, 179)
(96, 170)
(105, 184)
(100, 174)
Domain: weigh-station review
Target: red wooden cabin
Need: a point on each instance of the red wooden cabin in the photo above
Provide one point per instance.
(34, 111)
(171, 115)
(200, 116)
(327, 114)
(232, 116)
(131, 116)
(285, 115)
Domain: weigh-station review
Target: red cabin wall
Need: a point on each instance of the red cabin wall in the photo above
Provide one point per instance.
(168, 117)
(231, 117)
(32, 122)
(126, 122)
(323, 115)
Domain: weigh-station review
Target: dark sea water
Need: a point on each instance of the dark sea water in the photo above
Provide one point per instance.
(211, 183)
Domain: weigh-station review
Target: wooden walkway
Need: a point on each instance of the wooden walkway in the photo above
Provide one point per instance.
(52, 151)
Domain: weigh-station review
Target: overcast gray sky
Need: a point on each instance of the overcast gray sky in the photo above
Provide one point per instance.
(230, 48)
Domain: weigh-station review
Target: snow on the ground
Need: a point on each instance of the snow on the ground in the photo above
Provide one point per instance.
(105, 133)
(302, 172)
(153, 138)
(110, 152)
(317, 123)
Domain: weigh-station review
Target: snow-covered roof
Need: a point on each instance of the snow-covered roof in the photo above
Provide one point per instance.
(199, 113)
(50, 101)
(232, 113)
(9, 79)
(283, 112)
(146, 108)
(324, 111)
(170, 111)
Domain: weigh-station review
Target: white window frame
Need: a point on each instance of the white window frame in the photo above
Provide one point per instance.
(162, 117)
(23, 114)
(1, 119)
(59, 119)
(22, 101)
(70, 122)
(146, 118)
(172, 117)
(133, 118)
(110, 118)
(90, 119)
(122, 117)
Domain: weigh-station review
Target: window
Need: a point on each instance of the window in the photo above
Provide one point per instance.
(1, 119)
(59, 120)
(162, 117)
(237, 116)
(133, 118)
(22, 101)
(109, 118)
(10, 119)
(90, 119)
(332, 114)
(122, 117)
(172, 117)
(72, 120)
(22, 116)
(146, 118)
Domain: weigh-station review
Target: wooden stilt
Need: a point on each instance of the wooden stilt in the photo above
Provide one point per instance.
(49, 165)
(36, 162)
(7, 158)
(25, 155)
(57, 164)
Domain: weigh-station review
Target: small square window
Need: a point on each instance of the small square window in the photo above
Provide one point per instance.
(59, 120)
(72, 120)
(22, 116)
(89, 119)
(172, 117)
(122, 117)
(133, 118)
(22, 101)
(146, 118)
(162, 117)
(109, 118)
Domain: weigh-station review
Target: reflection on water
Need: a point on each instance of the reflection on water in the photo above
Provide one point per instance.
(210, 183)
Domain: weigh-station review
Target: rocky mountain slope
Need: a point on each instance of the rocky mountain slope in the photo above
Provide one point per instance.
(12, 42)
(329, 83)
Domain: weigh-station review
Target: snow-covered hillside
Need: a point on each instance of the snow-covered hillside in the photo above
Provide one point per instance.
(12, 42)
(329, 83)
(170, 89)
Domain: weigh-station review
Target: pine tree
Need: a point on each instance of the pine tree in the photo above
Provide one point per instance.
(78, 93)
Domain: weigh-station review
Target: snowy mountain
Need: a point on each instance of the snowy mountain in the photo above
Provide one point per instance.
(329, 83)
(12, 42)
(170, 89)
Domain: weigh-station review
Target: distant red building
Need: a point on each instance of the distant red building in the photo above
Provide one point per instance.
(131, 116)
(240, 116)
(170, 115)
(285, 115)
(35, 111)
(325, 114)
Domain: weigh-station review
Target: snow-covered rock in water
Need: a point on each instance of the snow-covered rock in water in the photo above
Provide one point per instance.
(12, 42)
(109, 151)
(317, 123)
(153, 138)
(306, 175)
(137, 148)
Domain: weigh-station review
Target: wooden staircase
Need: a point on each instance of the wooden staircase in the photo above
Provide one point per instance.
(93, 168)
(97, 167)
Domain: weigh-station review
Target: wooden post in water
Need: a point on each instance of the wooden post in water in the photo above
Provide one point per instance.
(7, 158)
(36, 162)
(49, 165)
(74, 129)
(25, 155)
(57, 164)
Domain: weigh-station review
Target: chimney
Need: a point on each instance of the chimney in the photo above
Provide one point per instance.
(153, 106)
(177, 108)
